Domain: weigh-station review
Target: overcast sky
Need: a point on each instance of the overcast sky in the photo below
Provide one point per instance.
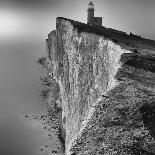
(24, 25)
(35, 18)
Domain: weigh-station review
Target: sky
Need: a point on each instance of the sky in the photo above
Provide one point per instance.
(24, 25)
(36, 18)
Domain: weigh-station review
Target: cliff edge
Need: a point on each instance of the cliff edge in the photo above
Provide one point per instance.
(99, 87)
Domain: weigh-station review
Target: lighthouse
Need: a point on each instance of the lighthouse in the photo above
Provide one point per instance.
(91, 20)
(90, 15)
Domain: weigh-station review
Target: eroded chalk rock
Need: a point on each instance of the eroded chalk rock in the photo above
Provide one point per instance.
(103, 90)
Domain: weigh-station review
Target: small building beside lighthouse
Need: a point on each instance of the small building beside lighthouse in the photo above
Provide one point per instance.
(91, 20)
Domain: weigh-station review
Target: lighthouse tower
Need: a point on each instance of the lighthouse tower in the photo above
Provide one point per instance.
(90, 10)
(91, 20)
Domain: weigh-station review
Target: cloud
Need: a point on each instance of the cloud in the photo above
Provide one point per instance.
(30, 4)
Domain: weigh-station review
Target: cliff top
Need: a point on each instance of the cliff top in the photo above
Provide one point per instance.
(129, 41)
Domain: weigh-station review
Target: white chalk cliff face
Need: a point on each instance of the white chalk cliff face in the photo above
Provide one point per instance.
(99, 91)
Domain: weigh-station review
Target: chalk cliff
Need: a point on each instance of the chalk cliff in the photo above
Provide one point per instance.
(99, 88)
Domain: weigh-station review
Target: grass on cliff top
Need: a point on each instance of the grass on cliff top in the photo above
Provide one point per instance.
(114, 35)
